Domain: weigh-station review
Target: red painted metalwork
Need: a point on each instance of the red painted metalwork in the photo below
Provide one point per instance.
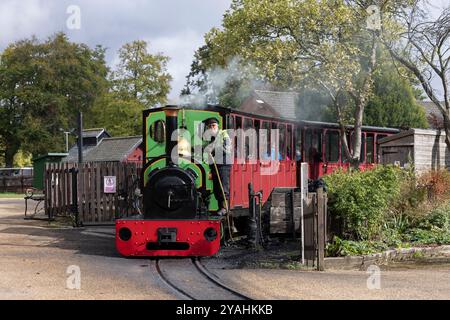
(188, 232)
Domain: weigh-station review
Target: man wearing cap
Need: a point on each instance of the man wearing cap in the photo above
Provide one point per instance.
(220, 149)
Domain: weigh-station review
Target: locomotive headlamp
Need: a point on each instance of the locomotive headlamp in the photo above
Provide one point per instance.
(125, 234)
(184, 147)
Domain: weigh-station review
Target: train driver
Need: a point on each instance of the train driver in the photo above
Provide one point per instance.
(220, 141)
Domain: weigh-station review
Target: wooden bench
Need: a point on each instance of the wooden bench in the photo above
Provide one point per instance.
(34, 195)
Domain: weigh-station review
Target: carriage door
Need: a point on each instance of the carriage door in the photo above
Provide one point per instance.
(332, 147)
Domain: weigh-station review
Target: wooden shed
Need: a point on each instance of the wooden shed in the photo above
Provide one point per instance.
(425, 149)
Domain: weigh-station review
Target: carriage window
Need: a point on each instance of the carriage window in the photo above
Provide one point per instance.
(283, 141)
(379, 137)
(332, 146)
(349, 142)
(370, 139)
(257, 127)
(265, 137)
(289, 155)
(237, 152)
(313, 145)
(274, 139)
(248, 124)
(298, 143)
(362, 158)
(230, 122)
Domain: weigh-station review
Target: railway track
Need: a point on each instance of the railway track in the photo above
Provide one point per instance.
(189, 279)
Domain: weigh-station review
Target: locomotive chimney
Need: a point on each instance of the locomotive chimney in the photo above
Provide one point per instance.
(171, 127)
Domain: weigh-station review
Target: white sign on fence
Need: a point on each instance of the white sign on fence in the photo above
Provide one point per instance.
(109, 184)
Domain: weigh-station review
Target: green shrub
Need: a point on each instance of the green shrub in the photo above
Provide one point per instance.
(360, 199)
(342, 248)
(439, 218)
(427, 237)
(388, 207)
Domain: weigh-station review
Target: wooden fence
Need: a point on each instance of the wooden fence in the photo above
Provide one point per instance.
(79, 190)
(17, 184)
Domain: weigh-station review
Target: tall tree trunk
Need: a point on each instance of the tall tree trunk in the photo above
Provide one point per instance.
(10, 151)
(447, 128)
(357, 133)
(361, 97)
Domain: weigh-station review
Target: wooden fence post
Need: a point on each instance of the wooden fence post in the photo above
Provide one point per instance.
(321, 232)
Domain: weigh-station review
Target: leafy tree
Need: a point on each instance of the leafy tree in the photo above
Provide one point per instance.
(43, 85)
(421, 44)
(392, 104)
(141, 76)
(119, 117)
(140, 81)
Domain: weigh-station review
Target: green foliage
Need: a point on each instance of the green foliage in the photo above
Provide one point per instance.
(340, 247)
(42, 87)
(120, 117)
(360, 199)
(401, 209)
(140, 81)
(432, 227)
(394, 102)
(427, 237)
(22, 159)
(141, 76)
(321, 45)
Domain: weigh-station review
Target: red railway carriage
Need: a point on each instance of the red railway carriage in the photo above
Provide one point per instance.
(321, 146)
(317, 143)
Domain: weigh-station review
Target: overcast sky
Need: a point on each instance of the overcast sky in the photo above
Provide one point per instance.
(174, 27)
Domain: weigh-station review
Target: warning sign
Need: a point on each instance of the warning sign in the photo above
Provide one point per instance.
(109, 184)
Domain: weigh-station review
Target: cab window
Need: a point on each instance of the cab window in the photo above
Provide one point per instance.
(158, 131)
